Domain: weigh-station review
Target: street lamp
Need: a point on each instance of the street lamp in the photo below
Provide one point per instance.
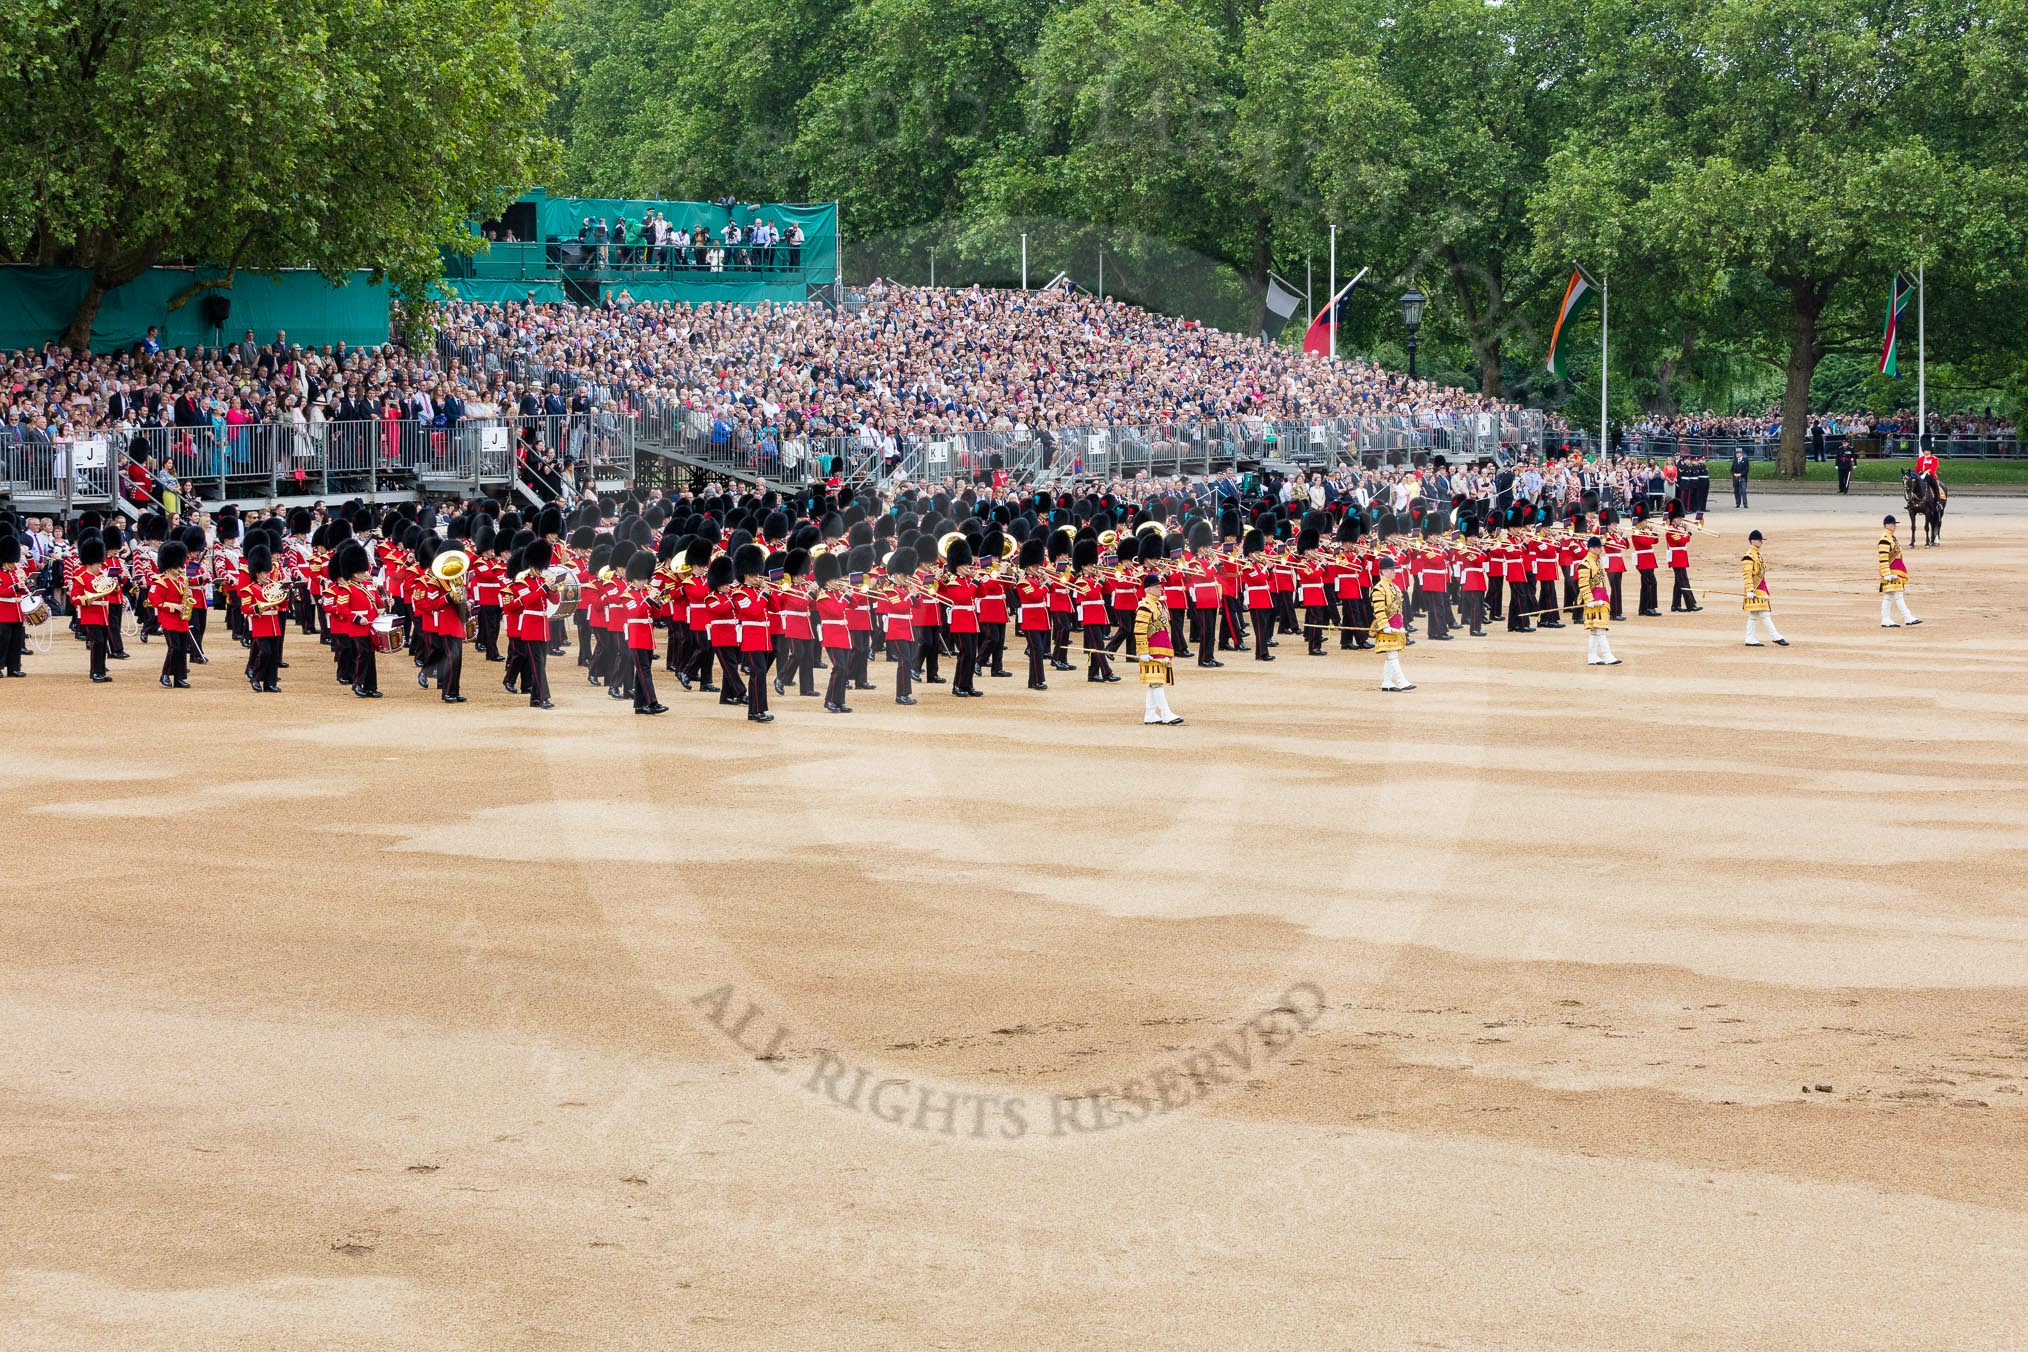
(1412, 302)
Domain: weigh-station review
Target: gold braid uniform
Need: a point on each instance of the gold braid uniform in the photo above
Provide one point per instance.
(1152, 641)
(1386, 598)
(1592, 584)
(1753, 575)
(1892, 579)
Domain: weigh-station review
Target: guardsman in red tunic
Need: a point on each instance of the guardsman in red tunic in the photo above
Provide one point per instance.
(992, 590)
(1545, 570)
(264, 607)
(1570, 552)
(91, 588)
(14, 593)
(1062, 604)
(929, 619)
(1031, 594)
(1089, 595)
(1615, 557)
(526, 609)
(1514, 567)
(354, 607)
(721, 630)
(1681, 598)
(1257, 590)
(1282, 582)
(694, 665)
(1312, 589)
(897, 619)
(169, 598)
(1646, 542)
(1432, 565)
(1474, 571)
(962, 599)
(1350, 585)
(443, 625)
(830, 609)
(637, 622)
(859, 615)
(1123, 594)
(756, 643)
(1206, 597)
(489, 578)
(797, 646)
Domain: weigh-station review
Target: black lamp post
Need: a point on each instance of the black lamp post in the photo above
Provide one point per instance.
(1412, 302)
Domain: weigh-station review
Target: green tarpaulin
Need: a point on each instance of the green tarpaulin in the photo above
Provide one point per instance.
(562, 217)
(36, 305)
(493, 292)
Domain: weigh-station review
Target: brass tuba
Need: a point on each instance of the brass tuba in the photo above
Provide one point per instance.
(450, 569)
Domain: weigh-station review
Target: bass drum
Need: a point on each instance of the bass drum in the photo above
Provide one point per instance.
(563, 581)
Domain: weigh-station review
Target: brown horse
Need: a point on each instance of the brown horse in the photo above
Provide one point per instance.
(1925, 504)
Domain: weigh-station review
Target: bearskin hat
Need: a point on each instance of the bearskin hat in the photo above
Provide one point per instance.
(719, 574)
(171, 556)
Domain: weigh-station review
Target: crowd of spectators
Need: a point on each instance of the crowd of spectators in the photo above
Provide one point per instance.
(1759, 432)
(789, 383)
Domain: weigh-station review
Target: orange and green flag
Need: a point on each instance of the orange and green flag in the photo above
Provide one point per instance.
(1581, 292)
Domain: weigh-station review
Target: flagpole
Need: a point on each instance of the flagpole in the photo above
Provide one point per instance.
(1332, 284)
(1605, 298)
(1921, 364)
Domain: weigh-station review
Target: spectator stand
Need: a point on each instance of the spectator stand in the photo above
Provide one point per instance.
(592, 250)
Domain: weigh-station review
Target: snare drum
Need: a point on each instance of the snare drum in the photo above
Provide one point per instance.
(34, 610)
(386, 638)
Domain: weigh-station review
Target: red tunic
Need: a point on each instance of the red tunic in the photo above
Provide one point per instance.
(167, 599)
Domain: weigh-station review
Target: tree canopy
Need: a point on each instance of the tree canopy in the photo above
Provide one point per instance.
(1748, 174)
(254, 135)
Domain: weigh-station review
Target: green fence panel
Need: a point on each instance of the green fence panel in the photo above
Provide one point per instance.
(36, 305)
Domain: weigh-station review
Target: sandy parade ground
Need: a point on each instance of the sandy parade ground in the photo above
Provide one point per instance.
(1680, 1003)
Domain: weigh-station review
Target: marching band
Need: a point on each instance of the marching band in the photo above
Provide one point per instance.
(767, 592)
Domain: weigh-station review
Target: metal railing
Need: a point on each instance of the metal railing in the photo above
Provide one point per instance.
(271, 461)
(1119, 451)
(550, 260)
(1890, 446)
(77, 471)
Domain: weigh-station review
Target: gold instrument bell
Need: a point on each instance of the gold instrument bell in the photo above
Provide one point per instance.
(449, 568)
(945, 540)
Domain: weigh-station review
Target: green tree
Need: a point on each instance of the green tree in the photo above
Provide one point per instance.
(932, 87)
(335, 134)
(1798, 153)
